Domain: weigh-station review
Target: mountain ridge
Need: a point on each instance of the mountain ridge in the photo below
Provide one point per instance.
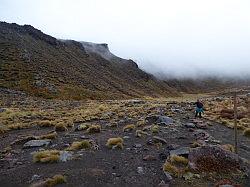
(42, 65)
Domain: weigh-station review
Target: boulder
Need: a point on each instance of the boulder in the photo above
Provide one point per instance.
(213, 159)
(164, 120)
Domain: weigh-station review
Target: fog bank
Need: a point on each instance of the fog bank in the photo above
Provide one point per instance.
(167, 38)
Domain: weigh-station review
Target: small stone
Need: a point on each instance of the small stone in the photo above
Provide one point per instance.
(149, 158)
(158, 139)
(190, 125)
(36, 143)
(137, 145)
(140, 170)
(163, 184)
(168, 176)
(35, 177)
(126, 137)
(65, 156)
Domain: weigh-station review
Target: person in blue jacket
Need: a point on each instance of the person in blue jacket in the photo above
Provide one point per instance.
(199, 108)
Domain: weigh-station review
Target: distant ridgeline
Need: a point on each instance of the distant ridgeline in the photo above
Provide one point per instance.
(44, 66)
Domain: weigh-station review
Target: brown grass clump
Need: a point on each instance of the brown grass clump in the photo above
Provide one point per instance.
(50, 182)
(85, 144)
(140, 123)
(3, 130)
(228, 147)
(51, 135)
(83, 127)
(171, 168)
(45, 123)
(46, 156)
(118, 142)
(247, 132)
(128, 128)
(18, 126)
(94, 129)
(179, 159)
(61, 127)
(140, 133)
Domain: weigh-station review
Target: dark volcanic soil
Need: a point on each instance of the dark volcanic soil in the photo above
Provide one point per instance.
(113, 167)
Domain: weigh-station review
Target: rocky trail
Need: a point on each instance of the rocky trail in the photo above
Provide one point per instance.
(116, 143)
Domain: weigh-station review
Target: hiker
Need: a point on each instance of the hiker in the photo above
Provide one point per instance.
(199, 108)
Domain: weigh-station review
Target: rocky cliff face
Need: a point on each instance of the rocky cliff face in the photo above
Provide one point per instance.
(42, 65)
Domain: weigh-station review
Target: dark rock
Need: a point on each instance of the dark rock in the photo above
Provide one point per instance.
(183, 151)
(213, 159)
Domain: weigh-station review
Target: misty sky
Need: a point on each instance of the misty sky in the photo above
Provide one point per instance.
(175, 37)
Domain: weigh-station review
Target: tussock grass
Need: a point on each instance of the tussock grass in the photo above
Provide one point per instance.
(46, 123)
(50, 182)
(83, 127)
(155, 129)
(61, 127)
(85, 144)
(178, 159)
(118, 142)
(47, 156)
(94, 129)
(171, 169)
(51, 135)
(140, 133)
(128, 128)
(140, 123)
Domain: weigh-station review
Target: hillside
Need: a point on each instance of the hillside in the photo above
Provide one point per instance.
(42, 65)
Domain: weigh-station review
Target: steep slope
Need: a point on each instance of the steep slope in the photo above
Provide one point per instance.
(42, 65)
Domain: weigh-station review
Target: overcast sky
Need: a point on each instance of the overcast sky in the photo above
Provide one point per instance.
(177, 37)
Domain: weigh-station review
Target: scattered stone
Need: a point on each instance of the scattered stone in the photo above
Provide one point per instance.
(183, 151)
(190, 125)
(84, 137)
(149, 158)
(36, 143)
(168, 176)
(164, 120)
(65, 156)
(201, 135)
(163, 184)
(137, 145)
(158, 139)
(140, 170)
(35, 178)
(126, 137)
